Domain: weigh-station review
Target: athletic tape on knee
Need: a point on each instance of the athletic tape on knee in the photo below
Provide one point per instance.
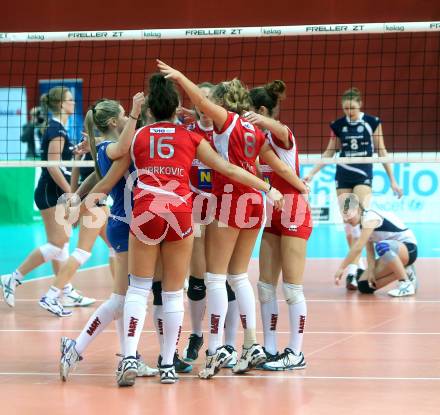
(157, 292)
(230, 291)
(81, 256)
(266, 292)
(387, 250)
(237, 280)
(172, 301)
(50, 251)
(196, 289)
(143, 283)
(356, 232)
(293, 293)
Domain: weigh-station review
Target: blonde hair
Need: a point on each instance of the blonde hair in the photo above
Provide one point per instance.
(99, 116)
(52, 101)
(232, 96)
(352, 94)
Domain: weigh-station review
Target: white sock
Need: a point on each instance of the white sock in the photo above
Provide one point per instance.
(217, 304)
(99, 320)
(172, 323)
(17, 275)
(297, 317)
(67, 289)
(119, 323)
(231, 323)
(352, 269)
(269, 317)
(53, 292)
(135, 310)
(246, 303)
(361, 263)
(158, 324)
(197, 312)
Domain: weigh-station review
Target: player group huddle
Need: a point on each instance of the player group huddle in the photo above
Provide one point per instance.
(188, 199)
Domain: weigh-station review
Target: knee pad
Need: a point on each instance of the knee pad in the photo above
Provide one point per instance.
(215, 281)
(136, 295)
(365, 287)
(356, 231)
(266, 292)
(238, 280)
(81, 256)
(157, 292)
(196, 289)
(64, 255)
(293, 293)
(387, 250)
(172, 301)
(50, 251)
(231, 294)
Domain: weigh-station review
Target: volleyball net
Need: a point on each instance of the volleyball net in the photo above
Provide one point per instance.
(394, 65)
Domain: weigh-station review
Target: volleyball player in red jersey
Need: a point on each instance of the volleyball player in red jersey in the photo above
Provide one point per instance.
(284, 241)
(162, 219)
(201, 185)
(231, 237)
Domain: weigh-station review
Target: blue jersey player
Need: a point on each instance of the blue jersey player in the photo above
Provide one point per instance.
(357, 134)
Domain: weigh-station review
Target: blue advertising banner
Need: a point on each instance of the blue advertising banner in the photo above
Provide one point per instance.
(419, 181)
(75, 124)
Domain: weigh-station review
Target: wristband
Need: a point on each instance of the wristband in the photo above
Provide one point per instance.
(133, 118)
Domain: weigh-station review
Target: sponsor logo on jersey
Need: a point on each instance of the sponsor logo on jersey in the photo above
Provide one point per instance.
(360, 128)
(344, 129)
(205, 178)
(160, 130)
(247, 125)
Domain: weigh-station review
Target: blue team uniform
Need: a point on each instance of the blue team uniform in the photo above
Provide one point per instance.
(356, 141)
(117, 229)
(47, 192)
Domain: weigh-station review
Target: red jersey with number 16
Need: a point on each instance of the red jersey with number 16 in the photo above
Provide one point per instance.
(163, 153)
(239, 142)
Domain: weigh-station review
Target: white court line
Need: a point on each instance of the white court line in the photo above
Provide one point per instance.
(315, 300)
(52, 275)
(352, 333)
(281, 375)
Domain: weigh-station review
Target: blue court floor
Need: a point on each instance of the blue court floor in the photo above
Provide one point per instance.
(327, 241)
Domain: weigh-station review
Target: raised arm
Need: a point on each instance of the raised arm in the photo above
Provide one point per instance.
(209, 157)
(122, 146)
(217, 113)
(278, 129)
(382, 151)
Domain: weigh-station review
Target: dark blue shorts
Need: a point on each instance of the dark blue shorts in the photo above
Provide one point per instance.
(117, 234)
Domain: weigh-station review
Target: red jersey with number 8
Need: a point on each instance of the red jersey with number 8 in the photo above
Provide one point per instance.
(239, 142)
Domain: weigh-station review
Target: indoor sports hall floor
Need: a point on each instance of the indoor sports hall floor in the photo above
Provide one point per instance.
(365, 353)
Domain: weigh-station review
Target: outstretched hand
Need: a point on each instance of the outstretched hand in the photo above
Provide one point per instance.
(168, 71)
